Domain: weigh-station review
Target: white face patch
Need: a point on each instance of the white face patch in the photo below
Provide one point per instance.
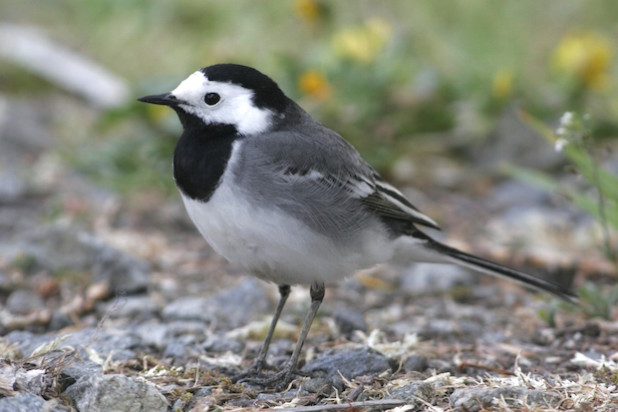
(236, 106)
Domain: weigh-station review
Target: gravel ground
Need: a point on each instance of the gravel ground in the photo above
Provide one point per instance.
(115, 305)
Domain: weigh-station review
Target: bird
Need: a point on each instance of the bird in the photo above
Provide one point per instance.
(289, 200)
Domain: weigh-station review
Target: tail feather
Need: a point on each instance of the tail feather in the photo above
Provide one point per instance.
(495, 269)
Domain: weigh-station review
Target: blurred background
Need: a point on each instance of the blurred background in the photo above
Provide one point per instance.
(463, 105)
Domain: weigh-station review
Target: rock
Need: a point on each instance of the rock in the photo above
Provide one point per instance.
(178, 349)
(319, 384)
(82, 367)
(116, 393)
(153, 333)
(472, 399)
(415, 363)
(60, 320)
(120, 342)
(135, 307)
(413, 392)
(23, 302)
(350, 362)
(221, 345)
(23, 402)
(231, 308)
(124, 273)
(26, 341)
(441, 366)
(349, 320)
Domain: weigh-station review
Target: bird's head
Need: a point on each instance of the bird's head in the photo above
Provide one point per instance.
(226, 95)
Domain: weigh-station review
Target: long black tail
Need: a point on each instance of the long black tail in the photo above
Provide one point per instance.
(495, 269)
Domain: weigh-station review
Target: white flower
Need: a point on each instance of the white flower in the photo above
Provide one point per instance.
(560, 143)
(566, 119)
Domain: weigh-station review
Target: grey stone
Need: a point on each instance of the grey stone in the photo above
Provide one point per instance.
(23, 402)
(60, 320)
(116, 393)
(120, 342)
(220, 345)
(350, 362)
(26, 341)
(441, 366)
(349, 320)
(317, 384)
(153, 333)
(231, 308)
(129, 307)
(412, 392)
(23, 302)
(16, 378)
(175, 349)
(82, 367)
(415, 363)
(476, 399)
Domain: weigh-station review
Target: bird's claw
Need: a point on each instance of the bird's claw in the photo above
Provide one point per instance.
(281, 379)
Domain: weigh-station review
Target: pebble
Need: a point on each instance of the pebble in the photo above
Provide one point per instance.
(230, 308)
(116, 393)
(133, 306)
(413, 392)
(349, 362)
(23, 302)
(22, 402)
(349, 320)
(221, 345)
(477, 399)
(415, 363)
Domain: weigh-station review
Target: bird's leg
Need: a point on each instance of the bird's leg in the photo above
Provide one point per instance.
(285, 376)
(317, 295)
(284, 292)
(260, 362)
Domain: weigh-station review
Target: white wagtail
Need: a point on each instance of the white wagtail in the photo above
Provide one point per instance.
(288, 199)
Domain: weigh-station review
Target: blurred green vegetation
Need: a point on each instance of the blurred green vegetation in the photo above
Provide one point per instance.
(389, 76)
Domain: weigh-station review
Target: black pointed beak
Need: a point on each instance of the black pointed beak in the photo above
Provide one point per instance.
(165, 99)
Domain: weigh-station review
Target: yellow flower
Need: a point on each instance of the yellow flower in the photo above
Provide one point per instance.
(314, 84)
(502, 84)
(362, 43)
(308, 10)
(586, 57)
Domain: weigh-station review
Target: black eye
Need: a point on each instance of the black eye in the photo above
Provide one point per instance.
(212, 98)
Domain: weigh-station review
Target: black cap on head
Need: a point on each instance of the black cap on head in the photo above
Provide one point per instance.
(267, 93)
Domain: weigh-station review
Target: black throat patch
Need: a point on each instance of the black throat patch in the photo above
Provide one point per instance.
(200, 158)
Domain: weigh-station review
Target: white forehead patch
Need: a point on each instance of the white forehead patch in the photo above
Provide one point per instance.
(236, 106)
(191, 88)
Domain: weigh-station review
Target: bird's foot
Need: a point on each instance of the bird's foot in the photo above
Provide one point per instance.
(279, 380)
(254, 371)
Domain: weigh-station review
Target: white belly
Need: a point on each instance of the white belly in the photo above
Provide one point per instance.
(274, 246)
